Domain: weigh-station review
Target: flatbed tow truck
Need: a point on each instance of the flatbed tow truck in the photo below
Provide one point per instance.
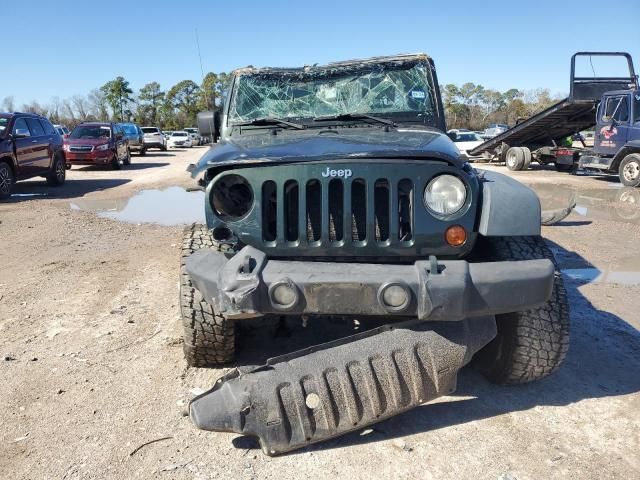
(611, 104)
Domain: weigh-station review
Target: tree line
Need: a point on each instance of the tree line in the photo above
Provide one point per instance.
(466, 106)
(171, 109)
(474, 107)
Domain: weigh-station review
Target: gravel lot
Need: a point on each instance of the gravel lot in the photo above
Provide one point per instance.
(92, 367)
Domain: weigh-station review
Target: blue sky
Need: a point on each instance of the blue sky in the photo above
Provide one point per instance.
(70, 47)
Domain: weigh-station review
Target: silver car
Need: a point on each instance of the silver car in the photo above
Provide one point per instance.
(194, 133)
(154, 138)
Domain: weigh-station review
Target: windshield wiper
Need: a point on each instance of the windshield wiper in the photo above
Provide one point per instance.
(354, 116)
(269, 121)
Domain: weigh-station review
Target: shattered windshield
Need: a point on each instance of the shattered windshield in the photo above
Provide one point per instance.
(380, 90)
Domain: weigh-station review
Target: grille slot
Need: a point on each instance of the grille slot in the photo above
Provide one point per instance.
(358, 210)
(405, 210)
(336, 210)
(291, 207)
(269, 211)
(314, 210)
(381, 208)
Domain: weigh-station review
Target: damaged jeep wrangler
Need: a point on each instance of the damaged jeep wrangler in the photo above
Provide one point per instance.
(334, 192)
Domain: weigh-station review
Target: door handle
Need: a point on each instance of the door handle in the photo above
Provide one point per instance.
(34, 141)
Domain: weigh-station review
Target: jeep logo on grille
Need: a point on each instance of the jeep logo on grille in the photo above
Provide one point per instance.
(342, 173)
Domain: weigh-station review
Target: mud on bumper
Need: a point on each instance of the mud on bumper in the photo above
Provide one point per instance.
(250, 285)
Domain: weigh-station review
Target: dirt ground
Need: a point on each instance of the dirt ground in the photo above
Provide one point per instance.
(92, 367)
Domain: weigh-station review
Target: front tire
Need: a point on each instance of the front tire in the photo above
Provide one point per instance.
(530, 345)
(629, 170)
(209, 337)
(115, 163)
(6, 180)
(58, 173)
(127, 159)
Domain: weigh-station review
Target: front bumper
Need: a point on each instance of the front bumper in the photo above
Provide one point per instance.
(90, 158)
(244, 286)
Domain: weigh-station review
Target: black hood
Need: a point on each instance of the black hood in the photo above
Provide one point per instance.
(323, 145)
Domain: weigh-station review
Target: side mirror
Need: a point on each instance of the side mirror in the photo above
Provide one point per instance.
(452, 136)
(22, 133)
(209, 125)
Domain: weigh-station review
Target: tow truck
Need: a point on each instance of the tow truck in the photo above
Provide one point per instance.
(610, 104)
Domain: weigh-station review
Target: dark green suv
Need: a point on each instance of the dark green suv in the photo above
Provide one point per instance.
(335, 193)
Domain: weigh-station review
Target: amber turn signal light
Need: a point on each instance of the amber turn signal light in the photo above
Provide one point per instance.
(456, 235)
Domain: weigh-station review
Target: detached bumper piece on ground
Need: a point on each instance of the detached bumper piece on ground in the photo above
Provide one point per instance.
(332, 389)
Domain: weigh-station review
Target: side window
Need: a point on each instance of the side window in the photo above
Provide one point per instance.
(48, 128)
(21, 124)
(616, 107)
(35, 127)
(636, 107)
(622, 115)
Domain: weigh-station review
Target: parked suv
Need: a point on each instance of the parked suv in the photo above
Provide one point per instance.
(29, 147)
(135, 137)
(95, 143)
(154, 138)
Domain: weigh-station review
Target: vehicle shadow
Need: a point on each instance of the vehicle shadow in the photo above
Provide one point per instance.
(34, 190)
(144, 165)
(603, 361)
(159, 154)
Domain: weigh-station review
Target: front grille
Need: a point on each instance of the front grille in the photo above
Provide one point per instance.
(338, 211)
(81, 148)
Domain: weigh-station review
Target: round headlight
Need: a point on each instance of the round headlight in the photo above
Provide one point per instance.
(445, 195)
(231, 197)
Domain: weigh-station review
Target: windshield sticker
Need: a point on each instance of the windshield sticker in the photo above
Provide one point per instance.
(418, 94)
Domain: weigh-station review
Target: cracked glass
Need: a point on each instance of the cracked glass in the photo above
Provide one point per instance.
(377, 90)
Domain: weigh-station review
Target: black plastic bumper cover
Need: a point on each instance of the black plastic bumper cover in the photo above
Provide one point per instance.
(335, 388)
(241, 287)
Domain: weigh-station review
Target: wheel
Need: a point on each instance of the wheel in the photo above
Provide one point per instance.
(143, 152)
(115, 163)
(630, 170)
(209, 337)
(530, 345)
(527, 158)
(127, 159)
(68, 166)
(58, 172)
(6, 180)
(515, 158)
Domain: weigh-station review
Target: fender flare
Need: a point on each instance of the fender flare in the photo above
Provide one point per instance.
(508, 208)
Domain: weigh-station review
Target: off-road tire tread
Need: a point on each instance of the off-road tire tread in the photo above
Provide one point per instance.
(209, 337)
(532, 344)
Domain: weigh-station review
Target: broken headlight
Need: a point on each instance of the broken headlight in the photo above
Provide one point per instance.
(231, 197)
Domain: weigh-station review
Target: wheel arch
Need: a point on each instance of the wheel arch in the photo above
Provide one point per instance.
(10, 159)
(627, 149)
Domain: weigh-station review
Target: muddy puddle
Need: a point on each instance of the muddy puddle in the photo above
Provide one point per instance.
(168, 207)
(618, 204)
